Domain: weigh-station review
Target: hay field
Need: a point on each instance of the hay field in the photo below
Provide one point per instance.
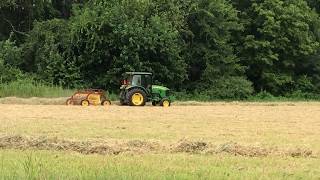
(235, 140)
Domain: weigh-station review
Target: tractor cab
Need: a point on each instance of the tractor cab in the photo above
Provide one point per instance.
(138, 79)
(137, 88)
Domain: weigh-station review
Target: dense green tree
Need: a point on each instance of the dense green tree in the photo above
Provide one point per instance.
(216, 48)
(48, 54)
(314, 4)
(18, 16)
(112, 37)
(10, 54)
(278, 38)
(210, 53)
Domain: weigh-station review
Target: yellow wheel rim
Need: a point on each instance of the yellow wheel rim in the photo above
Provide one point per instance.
(166, 103)
(85, 103)
(137, 99)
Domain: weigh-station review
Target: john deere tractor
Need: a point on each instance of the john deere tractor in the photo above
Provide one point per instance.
(137, 89)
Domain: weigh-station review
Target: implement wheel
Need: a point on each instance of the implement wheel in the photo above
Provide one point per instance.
(137, 97)
(85, 103)
(69, 102)
(106, 103)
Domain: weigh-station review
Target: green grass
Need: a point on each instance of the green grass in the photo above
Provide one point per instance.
(26, 89)
(56, 165)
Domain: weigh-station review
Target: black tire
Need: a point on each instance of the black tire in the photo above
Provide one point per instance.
(162, 102)
(134, 91)
(154, 103)
(122, 98)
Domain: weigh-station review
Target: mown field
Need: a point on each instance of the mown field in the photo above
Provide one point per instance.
(186, 141)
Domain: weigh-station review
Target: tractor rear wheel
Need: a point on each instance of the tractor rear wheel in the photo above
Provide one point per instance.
(165, 103)
(122, 98)
(137, 97)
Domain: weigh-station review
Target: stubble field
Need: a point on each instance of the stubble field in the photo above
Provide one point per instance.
(203, 140)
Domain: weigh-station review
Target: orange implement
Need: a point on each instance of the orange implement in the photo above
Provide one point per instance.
(89, 97)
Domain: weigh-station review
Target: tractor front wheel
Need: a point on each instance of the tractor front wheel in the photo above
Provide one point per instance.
(165, 103)
(137, 97)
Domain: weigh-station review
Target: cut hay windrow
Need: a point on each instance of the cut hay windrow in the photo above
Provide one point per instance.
(145, 147)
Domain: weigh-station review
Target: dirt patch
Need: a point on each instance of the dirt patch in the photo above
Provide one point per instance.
(143, 147)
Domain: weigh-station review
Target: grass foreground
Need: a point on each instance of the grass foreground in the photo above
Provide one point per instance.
(66, 165)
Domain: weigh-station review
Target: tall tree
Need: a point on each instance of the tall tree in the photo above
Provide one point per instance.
(279, 36)
(315, 4)
(105, 39)
(210, 52)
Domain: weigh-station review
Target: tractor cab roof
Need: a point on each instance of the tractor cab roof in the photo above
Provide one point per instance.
(138, 73)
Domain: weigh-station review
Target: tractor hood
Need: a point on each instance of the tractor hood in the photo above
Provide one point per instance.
(161, 88)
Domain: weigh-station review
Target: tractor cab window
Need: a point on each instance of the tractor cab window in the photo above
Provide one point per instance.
(136, 80)
(147, 81)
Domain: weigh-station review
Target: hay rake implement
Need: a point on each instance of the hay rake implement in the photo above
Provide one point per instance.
(89, 97)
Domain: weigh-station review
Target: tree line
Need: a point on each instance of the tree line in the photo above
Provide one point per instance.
(218, 48)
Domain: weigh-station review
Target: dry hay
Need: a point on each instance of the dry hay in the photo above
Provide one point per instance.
(189, 146)
(251, 131)
(143, 147)
(240, 150)
(62, 101)
(33, 101)
(42, 143)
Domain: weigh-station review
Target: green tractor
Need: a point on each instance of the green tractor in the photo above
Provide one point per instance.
(137, 89)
